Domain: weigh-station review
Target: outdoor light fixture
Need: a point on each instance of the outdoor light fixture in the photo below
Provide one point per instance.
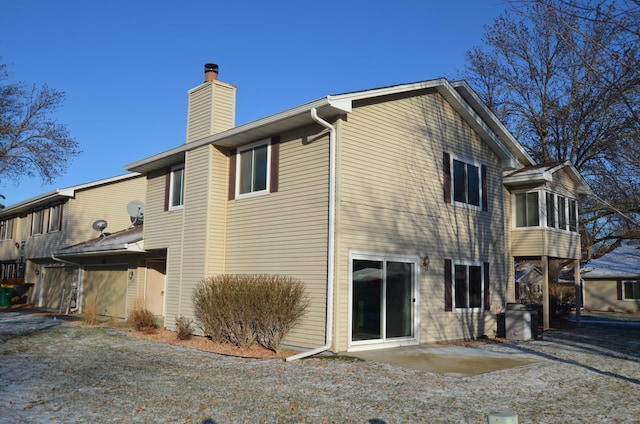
(425, 262)
(17, 245)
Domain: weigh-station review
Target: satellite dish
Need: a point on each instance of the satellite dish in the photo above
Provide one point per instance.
(100, 225)
(135, 209)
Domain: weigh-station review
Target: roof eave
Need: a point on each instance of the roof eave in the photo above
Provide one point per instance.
(135, 247)
(326, 107)
(484, 114)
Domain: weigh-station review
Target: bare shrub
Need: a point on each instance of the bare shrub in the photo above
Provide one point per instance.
(184, 328)
(91, 311)
(247, 309)
(142, 318)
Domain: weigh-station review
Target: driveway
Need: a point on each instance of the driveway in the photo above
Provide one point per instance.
(55, 373)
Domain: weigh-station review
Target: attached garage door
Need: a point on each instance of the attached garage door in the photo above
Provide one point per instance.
(54, 282)
(109, 286)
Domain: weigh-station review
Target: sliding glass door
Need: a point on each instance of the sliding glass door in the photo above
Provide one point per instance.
(384, 299)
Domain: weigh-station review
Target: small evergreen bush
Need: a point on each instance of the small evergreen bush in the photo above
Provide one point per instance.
(246, 309)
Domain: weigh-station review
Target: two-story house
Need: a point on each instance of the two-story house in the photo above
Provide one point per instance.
(401, 208)
(78, 237)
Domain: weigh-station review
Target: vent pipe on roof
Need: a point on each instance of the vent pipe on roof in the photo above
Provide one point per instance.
(210, 72)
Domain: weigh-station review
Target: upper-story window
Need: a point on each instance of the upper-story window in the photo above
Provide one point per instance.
(558, 211)
(465, 182)
(55, 217)
(176, 187)
(6, 229)
(36, 221)
(527, 209)
(253, 169)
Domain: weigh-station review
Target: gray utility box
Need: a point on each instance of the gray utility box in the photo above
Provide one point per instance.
(521, 322)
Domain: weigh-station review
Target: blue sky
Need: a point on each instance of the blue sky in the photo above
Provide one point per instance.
(126, 66)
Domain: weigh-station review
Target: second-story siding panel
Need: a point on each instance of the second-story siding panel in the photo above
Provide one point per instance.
(286, 232)
(391, 201)
(108, 202)
(162, 228)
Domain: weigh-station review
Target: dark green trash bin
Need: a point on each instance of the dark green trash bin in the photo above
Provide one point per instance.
(5, 295)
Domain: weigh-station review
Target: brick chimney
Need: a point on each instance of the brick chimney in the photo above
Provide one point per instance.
(212, 106)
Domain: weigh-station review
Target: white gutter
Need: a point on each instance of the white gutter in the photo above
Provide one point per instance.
(331, 241)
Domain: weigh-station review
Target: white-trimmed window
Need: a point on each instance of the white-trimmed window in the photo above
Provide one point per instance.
(253, 169)
(630, 290)
(176, 187)
(465, 182)
(6, 229)
(55, 217)
(557, 211)
(466, 286)
(527, 209)
(36, 221)
(550, 199)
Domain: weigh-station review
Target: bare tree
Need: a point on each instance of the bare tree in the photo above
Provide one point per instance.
(564, 77)
(31, 142)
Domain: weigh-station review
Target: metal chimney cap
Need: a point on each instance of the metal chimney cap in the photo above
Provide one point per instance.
(211, 67)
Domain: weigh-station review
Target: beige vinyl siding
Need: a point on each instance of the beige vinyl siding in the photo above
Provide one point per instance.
(8, 247)
(563, 185)
(562, 244)
(211, 109)
(108, 202)
(286, 232)
(532, 242)
(195, 230)
(602, 295)
(391, 201)
(161, 228)
(217, 207)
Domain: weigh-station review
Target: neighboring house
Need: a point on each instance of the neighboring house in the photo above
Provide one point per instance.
(612, 281)
(44, 242)
(529, 284)
(401, 208)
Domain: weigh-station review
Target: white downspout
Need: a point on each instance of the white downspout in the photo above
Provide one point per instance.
(331, 240)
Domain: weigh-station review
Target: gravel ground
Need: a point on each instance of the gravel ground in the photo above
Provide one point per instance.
(55, 373)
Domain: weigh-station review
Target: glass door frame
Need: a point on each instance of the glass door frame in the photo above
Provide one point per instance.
(382, 342)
